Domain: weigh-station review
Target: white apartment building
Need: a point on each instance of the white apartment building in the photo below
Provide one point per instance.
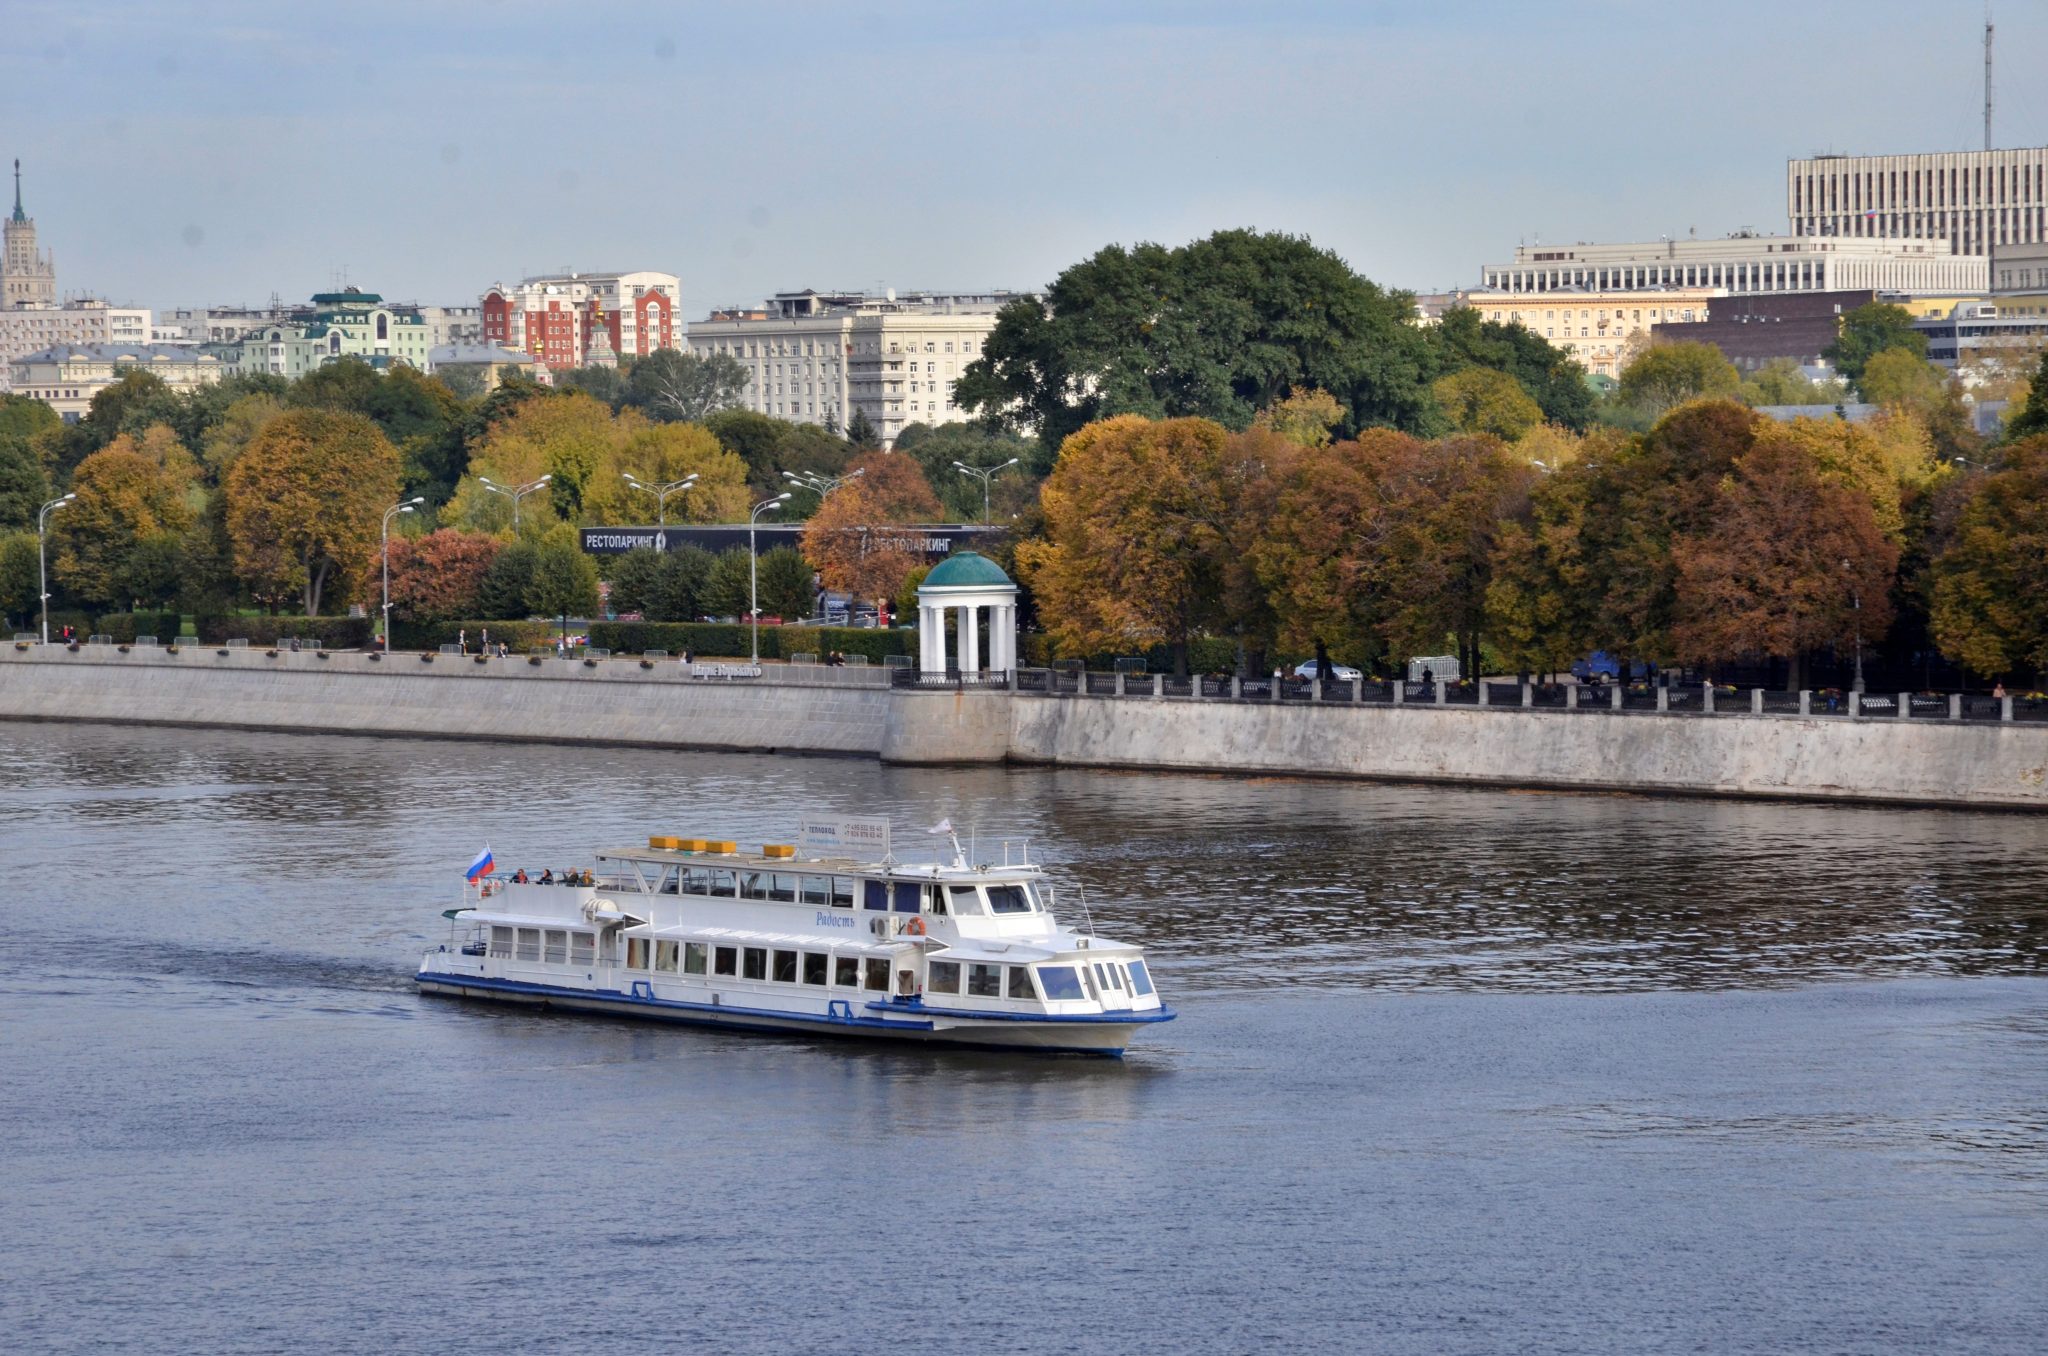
(67, 376)
(1975, 200)
(25, 329)
(815, 358)
(1745, 263)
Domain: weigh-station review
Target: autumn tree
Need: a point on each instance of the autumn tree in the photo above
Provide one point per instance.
(124, 498)
(1146, 530)
(439, 576)
(1479, 400)
(1541, 598)
(662, 454)
(1990, 609)
(2032, 419)
(1462, 340)
(306, 502)
(1304, 418)
(1791, 563)
(1666, 375)
(848, 538)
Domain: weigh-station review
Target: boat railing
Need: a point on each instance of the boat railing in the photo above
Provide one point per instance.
(1022, 848)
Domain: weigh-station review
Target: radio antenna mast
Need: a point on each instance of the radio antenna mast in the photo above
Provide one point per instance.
(1987, 75)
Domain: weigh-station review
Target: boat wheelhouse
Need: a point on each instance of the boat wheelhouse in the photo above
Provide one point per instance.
(694, 930)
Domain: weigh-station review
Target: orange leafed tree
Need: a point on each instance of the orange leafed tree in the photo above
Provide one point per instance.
(439, 577)
(1794, 560)
(849, 541)
(306, 501)
(125, 496)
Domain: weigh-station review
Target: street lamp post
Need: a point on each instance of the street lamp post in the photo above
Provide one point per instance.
(821, 485)
(1856, 606)
(515, 493)
(42, 567)
(754, 569)
(662, 492)
(384, 552)
(984, 475)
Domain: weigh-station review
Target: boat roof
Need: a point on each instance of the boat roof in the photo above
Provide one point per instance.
(851, 866)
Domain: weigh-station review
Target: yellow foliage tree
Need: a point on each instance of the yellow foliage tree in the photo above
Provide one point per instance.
(124, 497)
(1304, 418)
(1481, 400)
(305, 502)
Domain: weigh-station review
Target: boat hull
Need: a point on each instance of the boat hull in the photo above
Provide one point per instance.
(1105, 1036)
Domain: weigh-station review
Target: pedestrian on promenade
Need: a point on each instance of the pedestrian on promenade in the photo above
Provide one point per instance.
(1997, 689)
(1324, 672)
(483, 641)
(462, 641)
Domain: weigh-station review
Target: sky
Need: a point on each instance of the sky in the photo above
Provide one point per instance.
(178, 153)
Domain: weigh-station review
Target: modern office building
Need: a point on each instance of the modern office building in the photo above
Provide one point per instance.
(552, 318)
(1595, 327)
(67, 376)
(816, 358)
(1743, 263)
(1979, 336)
(28, 276)
(1975, 200)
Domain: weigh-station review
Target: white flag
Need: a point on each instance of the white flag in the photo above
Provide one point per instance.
(943, 826)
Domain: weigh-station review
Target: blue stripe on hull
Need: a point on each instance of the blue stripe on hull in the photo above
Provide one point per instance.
(726, 1016)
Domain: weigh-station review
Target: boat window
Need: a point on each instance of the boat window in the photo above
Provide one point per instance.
(945, 977)
(876, 974)
(754, 885)
(696, 880)
(966, 901)
(582, 948)
(501, 942)
(875, 894)
(1008, 899)
(814, 967)
(754, 962)
(723, 886)
(1060, 983)
(558, 947)
(1020, 982)
(693, 958)
(785, 967)
(669, 880)
(783, 888)
(1141, 981)
(636, 953)
(1116, 976)
(665, 955)
(725, 960)
(817, 891)
(985, 981)
(846, 972)
(909, 896)
(529, 944)
(844, 888)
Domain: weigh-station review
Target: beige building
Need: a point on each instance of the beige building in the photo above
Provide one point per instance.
(67, 376)
(24, 330)
(1595, 327)
(1974, 200)
(816, 358)
(1744, 263)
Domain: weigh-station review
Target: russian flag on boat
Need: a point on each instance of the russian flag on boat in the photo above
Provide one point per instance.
(481, 867)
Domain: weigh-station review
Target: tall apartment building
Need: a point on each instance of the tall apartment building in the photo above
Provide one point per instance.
(1744, 263)
(28, 277)
(25, 329)
(815, 358)
(557, 318)
(1975, 200)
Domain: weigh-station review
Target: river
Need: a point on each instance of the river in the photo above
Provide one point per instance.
(1455, 1072)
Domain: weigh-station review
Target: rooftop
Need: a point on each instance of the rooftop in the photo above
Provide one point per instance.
(967, 570)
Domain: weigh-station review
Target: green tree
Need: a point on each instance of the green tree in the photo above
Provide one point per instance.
(635, 579)
(1667, 375)
(23, 490)
(785, 583)
(679, 592)
(564, 578)
(726, 591)
(1899, 376)
(2032, 420)
(1481, 400)
(306, 503)
(346, 384)
(1990, 609)
(1781, 382)
(19, 579)
(506, 590)
(136, 396)
(860, 432)
(1220, 329)
(1868, 331)
(600, 383)
(685, 387)
(1461, 339)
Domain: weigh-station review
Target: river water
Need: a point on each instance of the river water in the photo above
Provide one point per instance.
(1455, 1072)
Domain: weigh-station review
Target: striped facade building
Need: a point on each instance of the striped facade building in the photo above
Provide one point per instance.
(1975, 200)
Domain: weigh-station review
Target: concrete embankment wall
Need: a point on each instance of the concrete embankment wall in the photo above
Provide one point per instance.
(852, 711)
(616, 701)
(1877, 759)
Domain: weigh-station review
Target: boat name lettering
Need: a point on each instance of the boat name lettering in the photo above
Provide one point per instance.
(829, 920)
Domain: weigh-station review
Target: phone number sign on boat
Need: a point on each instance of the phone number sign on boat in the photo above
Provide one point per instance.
(861, 836)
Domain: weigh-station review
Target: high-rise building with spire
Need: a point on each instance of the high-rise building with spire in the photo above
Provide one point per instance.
(27, 276)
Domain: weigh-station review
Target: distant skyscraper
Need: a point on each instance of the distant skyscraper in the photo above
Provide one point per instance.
(27, 277)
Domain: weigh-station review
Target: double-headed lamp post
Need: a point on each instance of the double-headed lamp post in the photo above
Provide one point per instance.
(515, 493)
(821, 485)
(42, 568)
(984, 474)
(754, 568)
(662, 492)
(384, 552)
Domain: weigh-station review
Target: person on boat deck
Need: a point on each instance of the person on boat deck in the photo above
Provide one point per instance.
(547, 876)
(519, 877)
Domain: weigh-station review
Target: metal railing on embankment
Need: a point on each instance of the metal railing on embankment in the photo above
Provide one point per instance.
(1702, 700)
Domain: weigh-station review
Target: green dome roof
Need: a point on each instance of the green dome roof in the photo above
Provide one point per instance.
(967, 570)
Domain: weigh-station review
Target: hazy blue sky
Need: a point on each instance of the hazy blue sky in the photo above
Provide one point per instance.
(180, 152)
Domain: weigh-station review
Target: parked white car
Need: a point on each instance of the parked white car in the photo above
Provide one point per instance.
(1343, 673)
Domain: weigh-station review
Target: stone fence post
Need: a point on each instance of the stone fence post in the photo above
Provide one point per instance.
(1159, 685)
(1663, 698)
(1120, 683)
(1236, 688)
(1358, 690)
(1315, 690)
(1853, 702)
(1571, 697)
(1400, 691)
(1614, 702)
(1905, 706)
(1805, 701)
(1485, 693)
(1955, 706)
(1528, 695)
(2005, 709)
(1707, 698)
(1441, 690)
(1756, 701)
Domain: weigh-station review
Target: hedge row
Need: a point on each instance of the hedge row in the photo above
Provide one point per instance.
(1206, 654)
(724, 640)
(521, 636)
(124, 627)
(333, 633)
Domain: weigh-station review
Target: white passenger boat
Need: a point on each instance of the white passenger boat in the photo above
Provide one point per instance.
(696, 931)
